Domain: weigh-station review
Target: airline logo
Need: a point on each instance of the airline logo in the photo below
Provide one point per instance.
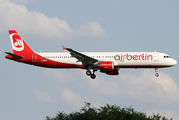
(17, 42)
(134, 57)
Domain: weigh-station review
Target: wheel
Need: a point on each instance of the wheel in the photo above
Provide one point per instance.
(156, 74)
(88, 72)
(93, 76)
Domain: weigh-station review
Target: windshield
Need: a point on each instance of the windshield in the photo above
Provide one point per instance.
(167, 57)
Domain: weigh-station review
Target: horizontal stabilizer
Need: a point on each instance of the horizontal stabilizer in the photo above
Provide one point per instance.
(14, 55)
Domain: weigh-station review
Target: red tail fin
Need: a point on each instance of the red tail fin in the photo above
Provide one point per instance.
(19, 46)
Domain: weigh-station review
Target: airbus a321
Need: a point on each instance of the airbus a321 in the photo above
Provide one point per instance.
(106, 62)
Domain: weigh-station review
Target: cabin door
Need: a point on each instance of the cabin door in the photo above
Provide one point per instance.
(156, 57)
(34, 57)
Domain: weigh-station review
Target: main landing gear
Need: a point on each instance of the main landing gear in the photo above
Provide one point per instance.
(156, 73)
(92, 75)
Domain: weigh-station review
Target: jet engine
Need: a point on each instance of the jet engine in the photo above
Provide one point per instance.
(106, 65)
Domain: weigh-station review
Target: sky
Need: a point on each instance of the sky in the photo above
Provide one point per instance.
(30, 92)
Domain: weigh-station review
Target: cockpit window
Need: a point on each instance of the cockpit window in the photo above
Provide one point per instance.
(167, 57)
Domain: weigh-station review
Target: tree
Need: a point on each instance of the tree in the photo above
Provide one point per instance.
(108, 112)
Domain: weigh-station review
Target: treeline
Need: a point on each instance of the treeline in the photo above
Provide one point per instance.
(108, 112)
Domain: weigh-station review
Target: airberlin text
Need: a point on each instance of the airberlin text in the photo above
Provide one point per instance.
(143, 56)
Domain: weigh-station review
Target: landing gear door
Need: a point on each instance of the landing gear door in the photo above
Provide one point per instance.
(156, 57)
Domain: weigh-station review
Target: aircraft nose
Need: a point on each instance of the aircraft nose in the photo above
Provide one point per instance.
(174, 62)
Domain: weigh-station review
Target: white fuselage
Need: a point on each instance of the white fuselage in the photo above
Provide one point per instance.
(120, 59)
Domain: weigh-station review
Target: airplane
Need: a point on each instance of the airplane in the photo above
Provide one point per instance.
(106, 62)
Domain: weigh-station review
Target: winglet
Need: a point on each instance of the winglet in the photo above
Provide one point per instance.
(64, 47)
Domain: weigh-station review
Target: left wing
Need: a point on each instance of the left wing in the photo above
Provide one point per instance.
(86, 60)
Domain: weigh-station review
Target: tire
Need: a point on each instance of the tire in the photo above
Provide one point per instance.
(88, 72)
(156, 74)
(93, 76)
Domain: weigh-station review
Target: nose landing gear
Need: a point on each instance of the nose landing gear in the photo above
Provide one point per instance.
(156, 73)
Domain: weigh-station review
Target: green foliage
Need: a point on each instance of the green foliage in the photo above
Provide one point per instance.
(108, 112)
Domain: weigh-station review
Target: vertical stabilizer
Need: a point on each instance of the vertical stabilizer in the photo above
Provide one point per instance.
(19, 46)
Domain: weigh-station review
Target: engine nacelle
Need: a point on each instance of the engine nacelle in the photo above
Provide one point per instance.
(115, 71)
(107, 65)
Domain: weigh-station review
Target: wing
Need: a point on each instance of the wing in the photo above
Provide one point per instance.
(86, 60)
